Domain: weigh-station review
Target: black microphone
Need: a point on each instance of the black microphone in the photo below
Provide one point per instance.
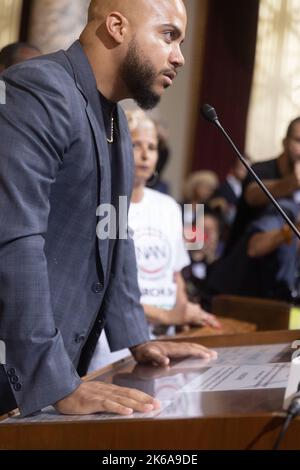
(209, 113)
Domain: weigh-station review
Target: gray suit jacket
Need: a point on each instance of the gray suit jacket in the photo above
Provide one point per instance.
(55, 274)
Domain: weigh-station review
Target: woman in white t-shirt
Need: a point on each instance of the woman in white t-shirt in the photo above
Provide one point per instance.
(155, 219)
(156, 224)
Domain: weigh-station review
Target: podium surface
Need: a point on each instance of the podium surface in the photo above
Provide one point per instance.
(195, 413)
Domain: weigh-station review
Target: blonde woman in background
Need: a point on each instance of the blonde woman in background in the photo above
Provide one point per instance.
(156, 222)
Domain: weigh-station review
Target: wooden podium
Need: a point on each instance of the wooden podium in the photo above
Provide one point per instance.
(238, 419)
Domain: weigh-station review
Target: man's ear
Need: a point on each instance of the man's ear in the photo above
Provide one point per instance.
(117, 27)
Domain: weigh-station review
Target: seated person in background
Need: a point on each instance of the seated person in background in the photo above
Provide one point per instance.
(198, 189)
(197, 272)
(17, 52)
(227, 195)
(263, 263)
(155, 219)
(280, 175)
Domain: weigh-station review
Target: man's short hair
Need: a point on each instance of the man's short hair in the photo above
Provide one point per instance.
(9, 53)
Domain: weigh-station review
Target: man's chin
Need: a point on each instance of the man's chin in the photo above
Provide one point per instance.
(148, 102)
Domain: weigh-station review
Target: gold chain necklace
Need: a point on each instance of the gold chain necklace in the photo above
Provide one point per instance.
(110, 141)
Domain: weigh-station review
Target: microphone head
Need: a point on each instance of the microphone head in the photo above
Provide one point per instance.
(209, 113)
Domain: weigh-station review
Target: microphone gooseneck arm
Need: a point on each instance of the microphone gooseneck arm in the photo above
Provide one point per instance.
(209, 113)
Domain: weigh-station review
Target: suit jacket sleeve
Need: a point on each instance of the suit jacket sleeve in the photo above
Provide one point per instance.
(34, 133)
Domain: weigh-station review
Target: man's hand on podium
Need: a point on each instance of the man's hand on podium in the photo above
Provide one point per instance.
(97, 397)
(160, 353)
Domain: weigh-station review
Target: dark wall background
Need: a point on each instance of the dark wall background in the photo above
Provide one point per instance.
(226, 84)
(26, 9)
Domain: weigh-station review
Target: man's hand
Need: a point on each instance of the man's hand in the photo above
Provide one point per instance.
(96, 397)
(160, 353)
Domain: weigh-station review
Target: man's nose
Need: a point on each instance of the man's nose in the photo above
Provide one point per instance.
(177, 59)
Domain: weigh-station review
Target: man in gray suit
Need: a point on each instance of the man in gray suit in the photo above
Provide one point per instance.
(64, 151)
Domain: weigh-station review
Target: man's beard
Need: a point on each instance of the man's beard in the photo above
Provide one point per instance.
(139, 76)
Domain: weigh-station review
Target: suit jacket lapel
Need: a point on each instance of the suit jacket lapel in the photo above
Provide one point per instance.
(98, 129)
(124, 168)
(86, 83)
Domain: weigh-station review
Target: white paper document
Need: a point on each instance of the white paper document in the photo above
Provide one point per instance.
(251, 355)
(220, 378)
